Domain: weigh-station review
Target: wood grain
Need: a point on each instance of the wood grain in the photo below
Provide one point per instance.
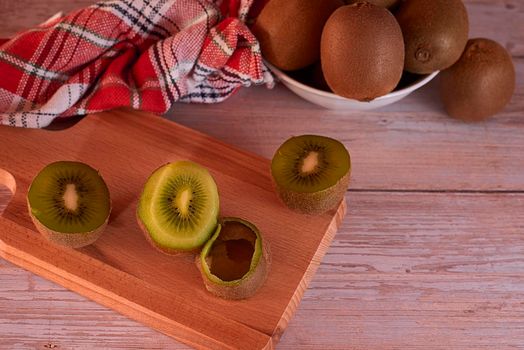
(418, 263)
(122, 271)
(424, 268)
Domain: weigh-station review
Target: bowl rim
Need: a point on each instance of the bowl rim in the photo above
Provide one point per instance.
(410, 88)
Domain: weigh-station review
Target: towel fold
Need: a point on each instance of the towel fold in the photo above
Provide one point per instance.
(144, 54)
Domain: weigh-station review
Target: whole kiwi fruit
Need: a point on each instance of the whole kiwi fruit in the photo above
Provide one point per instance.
(289, 31)
(362, 51)
(480, 83)
(435, 33)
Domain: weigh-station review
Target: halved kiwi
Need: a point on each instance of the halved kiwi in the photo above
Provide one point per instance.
(179, 207)
(69, 203)
(311, 173)
(234, 263)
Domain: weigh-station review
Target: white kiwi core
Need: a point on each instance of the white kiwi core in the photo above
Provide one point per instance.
(183, 200)
(71, 197)
(309, 164)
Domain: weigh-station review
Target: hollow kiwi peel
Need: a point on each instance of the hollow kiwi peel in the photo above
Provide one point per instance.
(74, 237)
(178, 208)
(333, 171)
(244, 284)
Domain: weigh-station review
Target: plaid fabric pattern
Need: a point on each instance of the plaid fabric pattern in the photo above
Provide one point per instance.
(145, 54)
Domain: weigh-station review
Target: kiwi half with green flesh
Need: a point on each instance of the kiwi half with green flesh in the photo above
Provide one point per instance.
(362, 51)
(69, 203)
(480, 83)
(289, 31)
(178, 207)
(234, 263)
(435, 33)
(311, 173)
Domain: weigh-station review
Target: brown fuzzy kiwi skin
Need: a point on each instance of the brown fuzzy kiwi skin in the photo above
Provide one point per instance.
(158, 247)
(249, 285)
(480, 84)
(389, 4)
(71, 240)
(435, 33)
(314, 203)
(289, 31)
(371, 63)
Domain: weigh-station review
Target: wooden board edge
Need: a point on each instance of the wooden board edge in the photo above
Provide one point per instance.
(310, 271)
(83, 286)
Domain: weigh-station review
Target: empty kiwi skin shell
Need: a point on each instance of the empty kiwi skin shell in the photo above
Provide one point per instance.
(480, 83)
(289, 31)
(251, 282)
(362, 51)
(435, 33)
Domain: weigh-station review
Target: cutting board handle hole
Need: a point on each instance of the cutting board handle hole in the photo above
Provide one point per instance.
(7, 184)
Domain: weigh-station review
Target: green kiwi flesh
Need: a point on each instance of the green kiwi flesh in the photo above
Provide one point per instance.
(69, 203)
(435, 33)
(311, 173)
(235, 261)
(480, 83)
(289, 31)
(178, 207)
(362, 51)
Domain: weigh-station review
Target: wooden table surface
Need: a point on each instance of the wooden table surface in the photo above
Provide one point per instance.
(430, 256)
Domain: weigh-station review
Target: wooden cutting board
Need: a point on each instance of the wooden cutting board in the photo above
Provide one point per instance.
(121, 270)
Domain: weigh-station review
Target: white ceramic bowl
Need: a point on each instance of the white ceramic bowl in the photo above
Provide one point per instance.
(331, 101)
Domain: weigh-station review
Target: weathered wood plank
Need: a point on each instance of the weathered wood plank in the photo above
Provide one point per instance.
(407, 149)
(23, 14)
(405, 269)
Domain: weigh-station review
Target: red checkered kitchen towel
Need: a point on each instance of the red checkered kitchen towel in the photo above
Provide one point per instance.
(145, 54)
